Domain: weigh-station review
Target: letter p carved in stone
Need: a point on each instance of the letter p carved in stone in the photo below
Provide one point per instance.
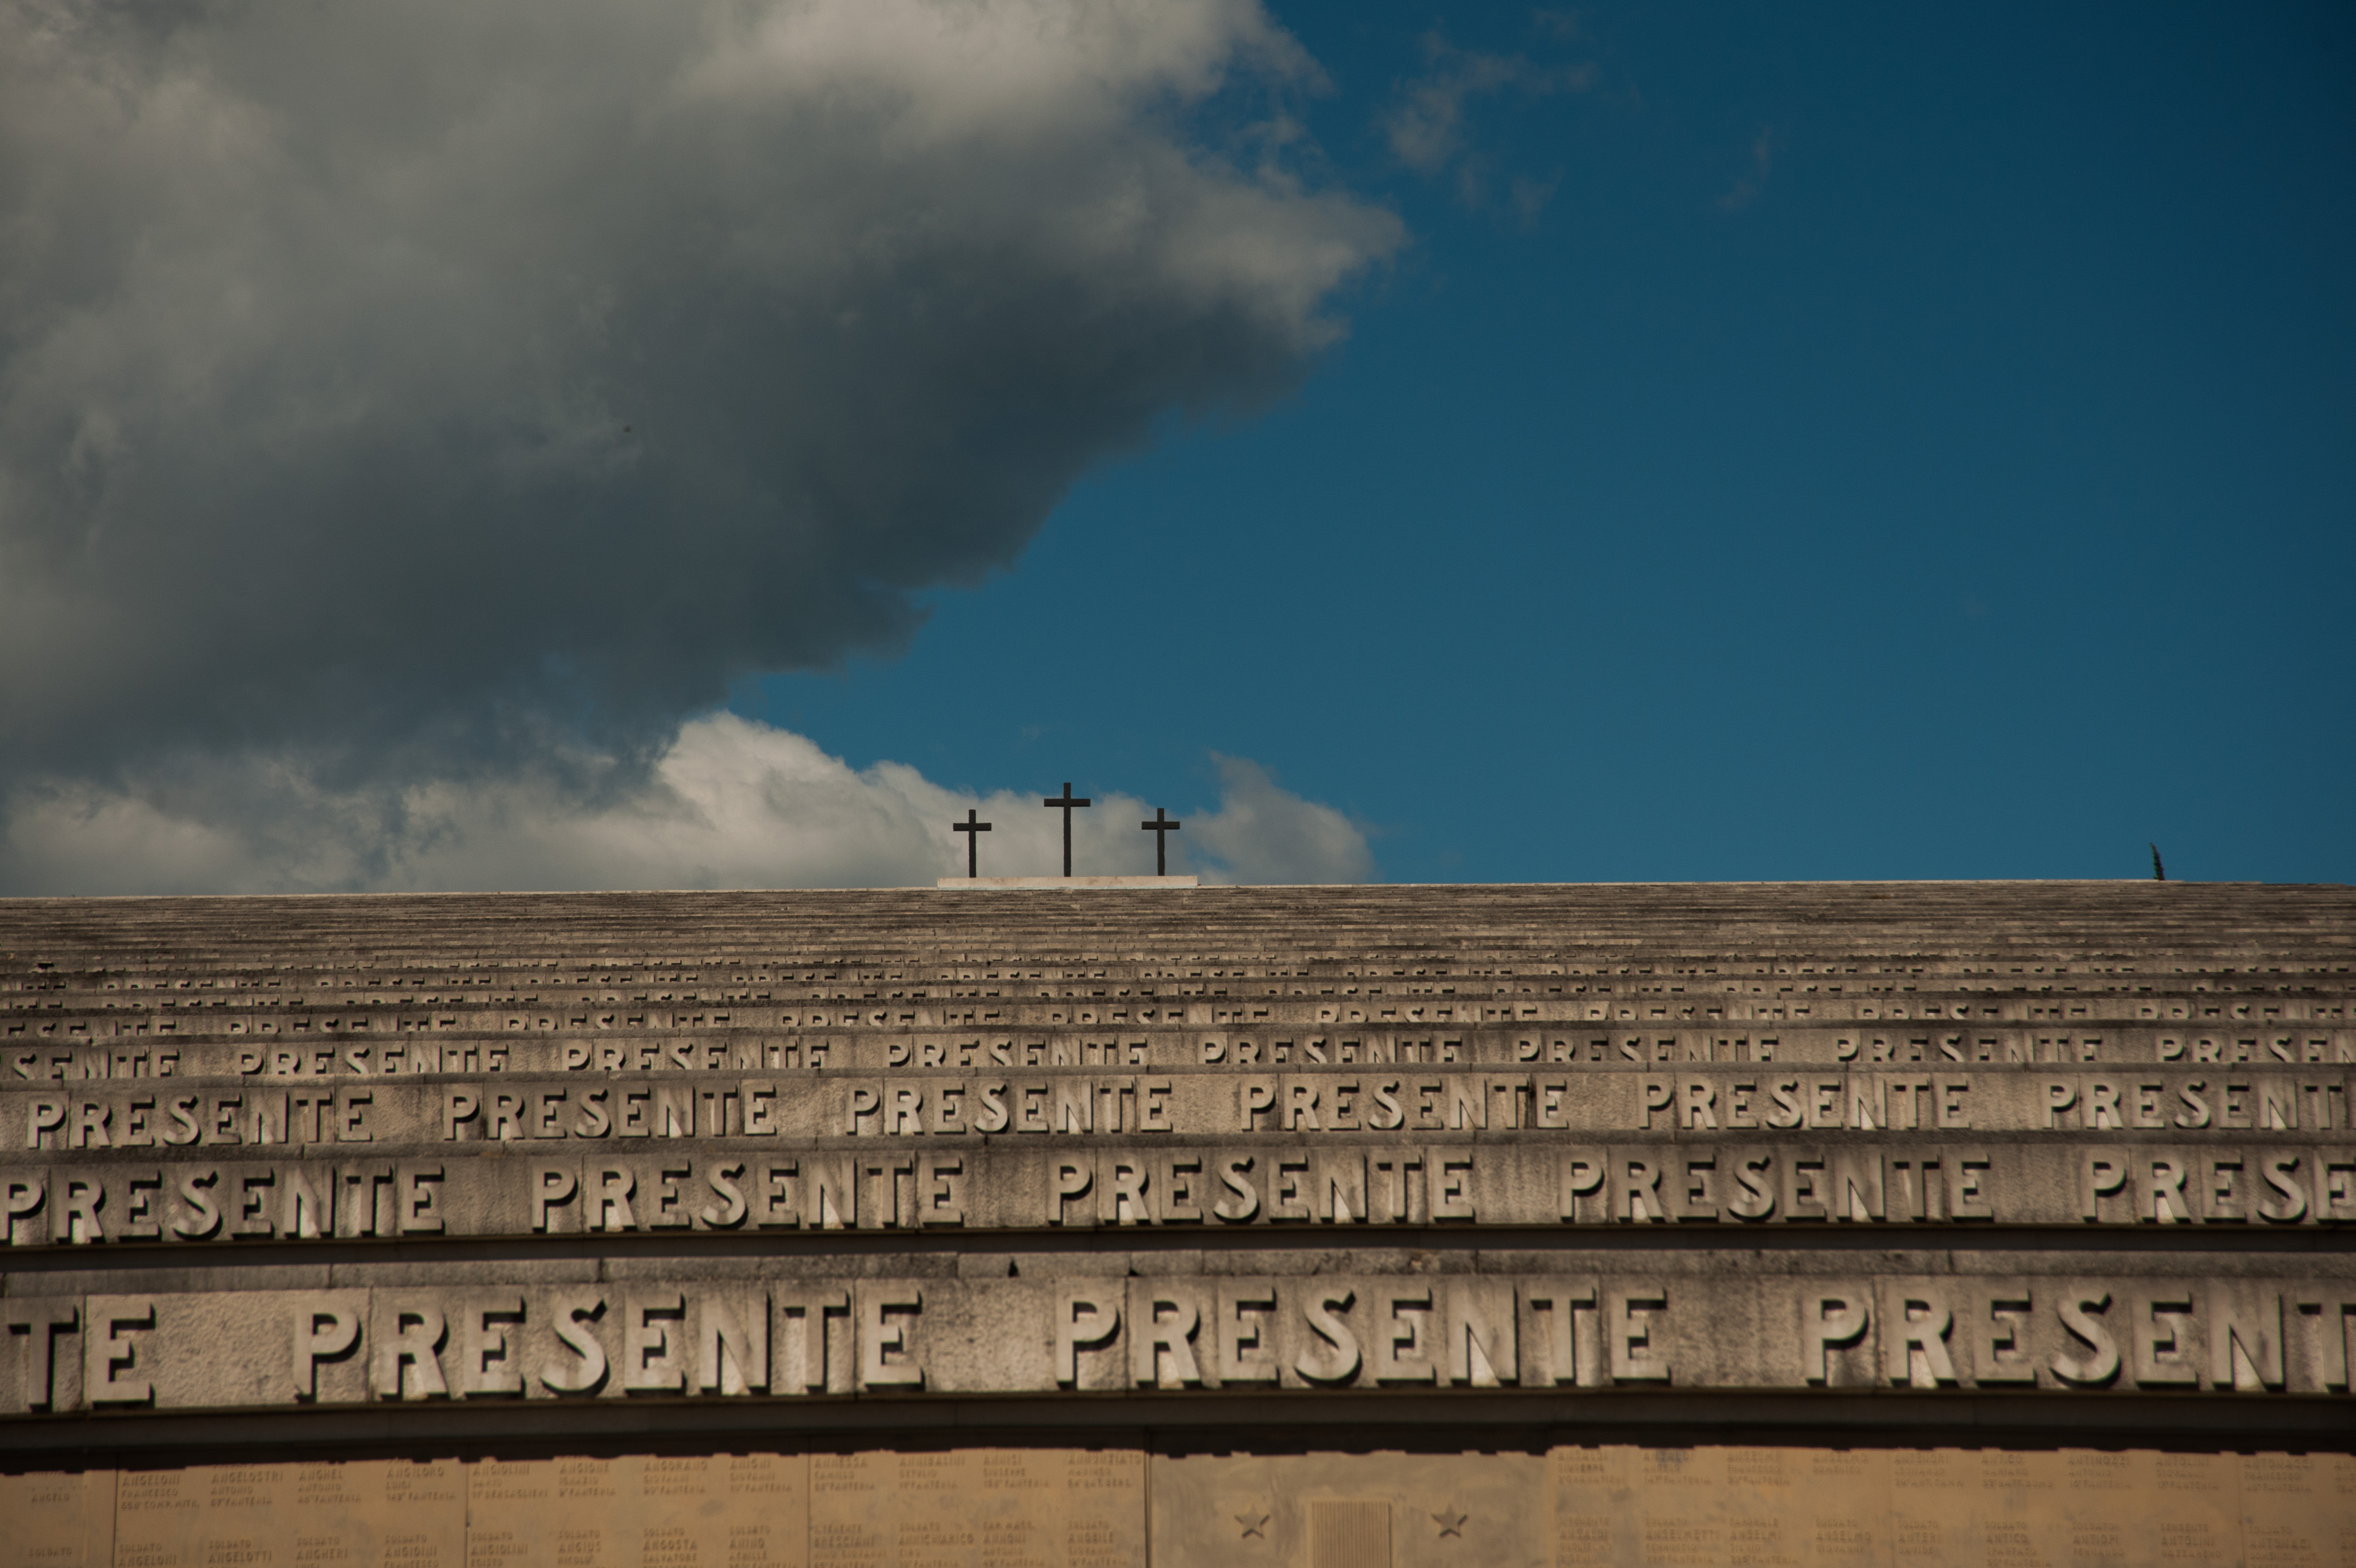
(1086, 1318)
(1833, 1316)
(327, 1329)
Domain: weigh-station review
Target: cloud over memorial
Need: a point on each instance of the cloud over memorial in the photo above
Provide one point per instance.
(731, 803)
(395, 393)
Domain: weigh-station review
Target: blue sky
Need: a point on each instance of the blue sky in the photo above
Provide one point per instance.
(1903, 443)
(467, 443)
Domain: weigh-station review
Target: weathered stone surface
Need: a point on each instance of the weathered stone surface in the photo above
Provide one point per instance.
(1573, 1506)
(65, 1518)
(393, 1513)
(1506, 1166)
(2247, 1180)
(1849, 1322)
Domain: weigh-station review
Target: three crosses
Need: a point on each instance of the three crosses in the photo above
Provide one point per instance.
(1163, 825)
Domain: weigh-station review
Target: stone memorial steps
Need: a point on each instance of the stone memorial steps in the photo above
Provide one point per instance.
(2089, 953)
(2147, 920)
(1485, 1162)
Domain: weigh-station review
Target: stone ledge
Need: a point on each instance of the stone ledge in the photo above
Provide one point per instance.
(1065, 882)
(1447, 1419)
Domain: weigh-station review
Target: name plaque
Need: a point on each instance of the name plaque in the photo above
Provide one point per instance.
(785, 1337)
(684, 1186)
(1716, 1101)
(360, 1046)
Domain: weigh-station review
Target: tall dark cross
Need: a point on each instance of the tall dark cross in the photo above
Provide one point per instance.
(1067, 801)
(1163, 825)
(972, 829)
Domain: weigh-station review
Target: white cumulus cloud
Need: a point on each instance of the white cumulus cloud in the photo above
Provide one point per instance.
(731, 803)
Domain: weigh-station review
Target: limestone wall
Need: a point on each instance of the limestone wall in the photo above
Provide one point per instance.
(1573, 1506)
(1587, 1183)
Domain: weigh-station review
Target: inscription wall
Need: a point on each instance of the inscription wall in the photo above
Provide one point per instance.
(720, 1339)
(1573, 1506)
(1181, 1187)
(2075, 1147)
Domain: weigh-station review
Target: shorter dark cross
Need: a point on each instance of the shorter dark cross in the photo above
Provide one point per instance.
(972, 842)
(1067, 801)
(1163, 825)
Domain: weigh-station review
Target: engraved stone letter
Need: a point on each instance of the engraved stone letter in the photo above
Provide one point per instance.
(405, 1332)
(1630, 1327)
(110, 1366)
(324, 1328)
(1087, 1318)
(1164, 1321)
(1832, 1317)
(574, 1314)
(885, 1358)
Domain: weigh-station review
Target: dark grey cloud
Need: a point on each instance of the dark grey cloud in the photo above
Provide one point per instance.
(393, 390)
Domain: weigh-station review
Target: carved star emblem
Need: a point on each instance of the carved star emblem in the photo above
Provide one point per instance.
(1450, 1523)
(1254, 1524)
